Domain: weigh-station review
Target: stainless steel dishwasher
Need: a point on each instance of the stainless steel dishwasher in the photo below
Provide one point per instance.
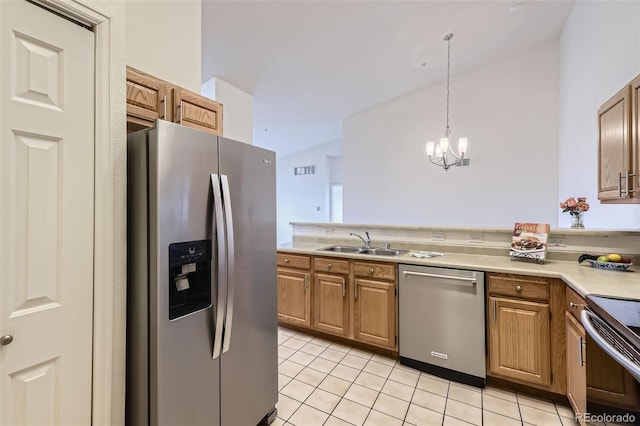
(442, 322)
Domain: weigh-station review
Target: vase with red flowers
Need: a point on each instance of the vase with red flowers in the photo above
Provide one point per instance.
(576, 209)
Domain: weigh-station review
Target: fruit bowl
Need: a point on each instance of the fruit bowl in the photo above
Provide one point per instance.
(611, 266)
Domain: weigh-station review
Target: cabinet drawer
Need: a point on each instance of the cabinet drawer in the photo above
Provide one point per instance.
(326, 264)
(374, 270)
(519, 286)
(193, 110)
(294, 261)
(146, 98)
(575, 303)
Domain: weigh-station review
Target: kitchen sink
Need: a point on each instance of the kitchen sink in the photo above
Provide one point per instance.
(364, 250)
(342, 249)
(383, 252)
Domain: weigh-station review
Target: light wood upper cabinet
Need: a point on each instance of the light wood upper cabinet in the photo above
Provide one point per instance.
(375, 312)
(193, 110)
(146, 100)
(634, 183)
(330, 304)
(519, 340)
(294, 296)
(576, 366)
(618, 147)
(150, 98)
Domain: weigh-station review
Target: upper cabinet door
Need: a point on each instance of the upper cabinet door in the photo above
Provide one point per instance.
(193, 110)
(634, 182)
(146, 100)
(614, 146)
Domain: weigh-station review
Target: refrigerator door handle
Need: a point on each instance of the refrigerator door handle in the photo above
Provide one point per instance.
(228, 322)
(217, 219)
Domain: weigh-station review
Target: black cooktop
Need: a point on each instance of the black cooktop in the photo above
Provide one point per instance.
(621, 314)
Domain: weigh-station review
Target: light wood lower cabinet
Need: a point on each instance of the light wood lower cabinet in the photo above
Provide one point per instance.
(607, 382)
(330, 304)
(576, 366)
(375, 312)
(353, 299)
(519, 340)
(294, 297)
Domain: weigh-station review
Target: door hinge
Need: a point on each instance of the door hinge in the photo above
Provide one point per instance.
(395, 292)
(549, 315)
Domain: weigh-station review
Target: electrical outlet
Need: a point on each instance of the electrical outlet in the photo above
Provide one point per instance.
(476, 238)
(437, 236)
(557, 242)
(328, 231)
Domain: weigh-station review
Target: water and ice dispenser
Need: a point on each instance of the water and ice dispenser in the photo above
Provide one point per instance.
(189, 277)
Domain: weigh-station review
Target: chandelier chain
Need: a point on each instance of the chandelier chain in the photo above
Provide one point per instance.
(448, 130)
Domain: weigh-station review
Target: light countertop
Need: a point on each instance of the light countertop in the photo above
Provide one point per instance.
(581, 277)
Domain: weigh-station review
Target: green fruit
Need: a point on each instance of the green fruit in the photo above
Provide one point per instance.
(602, 259)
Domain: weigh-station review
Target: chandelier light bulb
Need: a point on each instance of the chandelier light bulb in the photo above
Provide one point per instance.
(430, 148)
(444, 144)
(462, 146)
(439, 152)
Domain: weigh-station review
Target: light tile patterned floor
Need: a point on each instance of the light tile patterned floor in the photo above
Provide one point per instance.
(325, 383)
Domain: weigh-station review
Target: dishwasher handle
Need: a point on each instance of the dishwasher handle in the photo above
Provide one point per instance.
(472, 280)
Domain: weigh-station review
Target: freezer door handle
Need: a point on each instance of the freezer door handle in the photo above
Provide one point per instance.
(217, 219)
(228, 322)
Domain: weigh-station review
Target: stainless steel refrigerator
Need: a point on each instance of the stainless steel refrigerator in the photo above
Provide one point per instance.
(201, 309)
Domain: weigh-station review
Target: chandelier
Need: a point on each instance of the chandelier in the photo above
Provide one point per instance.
(443, 149)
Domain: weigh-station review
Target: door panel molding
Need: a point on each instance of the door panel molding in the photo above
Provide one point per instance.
(109, 203)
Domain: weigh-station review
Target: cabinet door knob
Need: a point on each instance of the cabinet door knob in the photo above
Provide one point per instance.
(6, 340)
(518, 288)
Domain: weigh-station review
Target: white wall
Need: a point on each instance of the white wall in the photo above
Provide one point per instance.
(508, 110)
(237, 117)
(163, 39)
(335, 169)
(304, 198)
(600, 53)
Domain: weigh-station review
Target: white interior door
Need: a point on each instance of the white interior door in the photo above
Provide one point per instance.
(46, 217)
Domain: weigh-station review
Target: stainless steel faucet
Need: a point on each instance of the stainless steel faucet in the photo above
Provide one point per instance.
(367, 242)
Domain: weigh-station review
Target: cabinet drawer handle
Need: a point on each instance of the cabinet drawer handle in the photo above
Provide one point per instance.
(494, 311)
(355, 292)
(286, 261)
(164, 107)
(344, 288)
(518, 288)
(329, 266)
(371, 271)
(620, 184)
(581, 360)
(306, 282)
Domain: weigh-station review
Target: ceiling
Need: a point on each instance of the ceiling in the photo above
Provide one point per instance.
(310, 64)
